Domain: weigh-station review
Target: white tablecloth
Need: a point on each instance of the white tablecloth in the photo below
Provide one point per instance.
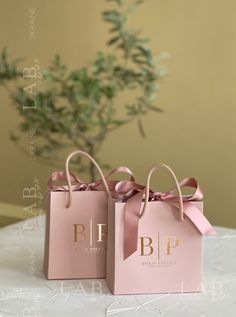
(24, 291)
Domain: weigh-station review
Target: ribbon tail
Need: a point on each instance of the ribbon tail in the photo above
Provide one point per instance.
(131, 220)
(198, 219)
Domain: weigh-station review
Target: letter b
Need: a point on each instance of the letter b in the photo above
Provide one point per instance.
(147, 245)
(79, 232)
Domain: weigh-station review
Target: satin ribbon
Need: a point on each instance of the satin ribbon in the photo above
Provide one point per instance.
(79, 185)
(133, 207)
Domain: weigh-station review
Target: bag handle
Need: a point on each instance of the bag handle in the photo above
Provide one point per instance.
(68, 204)
(147, 189)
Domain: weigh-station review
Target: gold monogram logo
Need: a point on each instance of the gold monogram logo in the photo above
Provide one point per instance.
(94, 233)
(147, 246)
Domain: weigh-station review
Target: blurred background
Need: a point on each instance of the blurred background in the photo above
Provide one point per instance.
(195, 134)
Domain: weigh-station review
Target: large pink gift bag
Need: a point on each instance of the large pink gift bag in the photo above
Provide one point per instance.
(155, 246)
(76, 221)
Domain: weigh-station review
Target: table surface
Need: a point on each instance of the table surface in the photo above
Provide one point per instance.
(24, 291)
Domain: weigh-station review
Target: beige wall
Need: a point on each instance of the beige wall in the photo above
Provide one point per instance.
(196, 134)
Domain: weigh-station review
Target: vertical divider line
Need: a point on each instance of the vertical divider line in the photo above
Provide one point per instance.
(91, 232)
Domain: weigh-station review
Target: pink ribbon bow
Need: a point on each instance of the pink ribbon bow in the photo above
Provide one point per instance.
(58, 177)
(133, 206)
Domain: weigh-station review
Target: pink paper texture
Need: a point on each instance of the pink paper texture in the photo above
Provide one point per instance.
(75, 244)
(169, 263)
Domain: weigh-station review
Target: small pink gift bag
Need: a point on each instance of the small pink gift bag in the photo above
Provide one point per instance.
(76, 223)
(76, 220)
(157, 250)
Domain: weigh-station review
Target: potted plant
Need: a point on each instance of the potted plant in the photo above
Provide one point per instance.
(77, 108)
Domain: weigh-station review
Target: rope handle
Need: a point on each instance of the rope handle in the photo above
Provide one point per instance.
(147, 189)
(68, 204)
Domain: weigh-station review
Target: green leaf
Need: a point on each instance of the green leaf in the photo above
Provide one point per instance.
(133, 6)
(4, 54)
(113, 40)
(114, 29)
(154, 108)
(13, 137)
(112, 16)
(145, 50)
(141, 129)
(118, 122)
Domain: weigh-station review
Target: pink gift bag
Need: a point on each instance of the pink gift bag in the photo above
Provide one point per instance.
(157, 250)
(76, 221)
